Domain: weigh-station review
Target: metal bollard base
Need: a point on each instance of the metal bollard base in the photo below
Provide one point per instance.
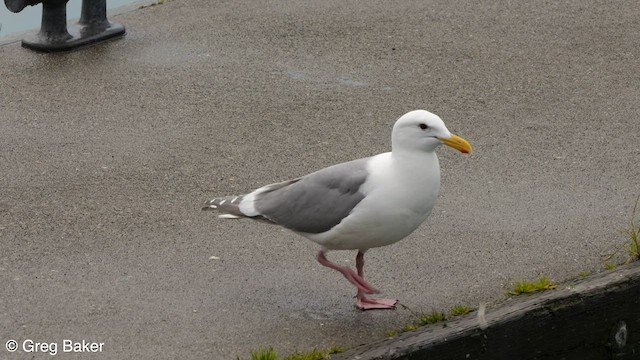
(80, 36)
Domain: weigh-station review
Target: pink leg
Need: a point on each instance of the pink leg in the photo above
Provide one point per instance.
(355, 279)
(365, 303)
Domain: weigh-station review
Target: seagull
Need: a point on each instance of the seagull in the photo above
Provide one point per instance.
(360, 204)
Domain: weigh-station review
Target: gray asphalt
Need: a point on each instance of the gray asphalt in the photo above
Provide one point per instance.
(108, 153)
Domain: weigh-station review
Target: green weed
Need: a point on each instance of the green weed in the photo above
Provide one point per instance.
(315, 354)
(584, 273)
(460, 310)
(633, 246)
(527, 287)
(264, 354)
(410, 327)
(432, 318)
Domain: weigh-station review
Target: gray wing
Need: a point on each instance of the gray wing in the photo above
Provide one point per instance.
(317, 202)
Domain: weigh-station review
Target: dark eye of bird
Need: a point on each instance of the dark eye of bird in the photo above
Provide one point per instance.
(423, 126)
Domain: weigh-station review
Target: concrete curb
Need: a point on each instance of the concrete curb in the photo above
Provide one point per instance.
(595, 318)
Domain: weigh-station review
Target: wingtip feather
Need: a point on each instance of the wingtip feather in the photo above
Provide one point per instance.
(229, 216)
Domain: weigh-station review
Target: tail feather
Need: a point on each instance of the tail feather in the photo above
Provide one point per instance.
(229, 208)
(229, 216)
(227, 205)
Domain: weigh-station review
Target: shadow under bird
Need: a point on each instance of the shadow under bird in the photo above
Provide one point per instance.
(360, 204)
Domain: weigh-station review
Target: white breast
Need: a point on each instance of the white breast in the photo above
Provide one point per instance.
(400, 194)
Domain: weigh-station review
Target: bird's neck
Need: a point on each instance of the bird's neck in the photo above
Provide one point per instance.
(415, 158)
(417, 170)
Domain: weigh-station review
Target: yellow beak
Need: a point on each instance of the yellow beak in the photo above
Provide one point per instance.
(457, 143)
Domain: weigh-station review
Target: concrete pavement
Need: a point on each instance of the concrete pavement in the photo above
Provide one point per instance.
(108, 153)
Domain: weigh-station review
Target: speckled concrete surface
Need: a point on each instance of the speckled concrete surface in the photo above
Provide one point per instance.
(108, 153)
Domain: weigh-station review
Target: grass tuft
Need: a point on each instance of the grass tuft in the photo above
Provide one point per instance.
(264, 354)
(527, 287)
(584, 273)
(432, 318)
(315, 354)
(633, 246)
(460, 310)
(609, 265)
(427, 319)
(335, 350)
(410, 327)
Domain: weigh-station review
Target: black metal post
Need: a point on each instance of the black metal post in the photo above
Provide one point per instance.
(54, 35)
(15, 6)
(54, 22)
(94, 13)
